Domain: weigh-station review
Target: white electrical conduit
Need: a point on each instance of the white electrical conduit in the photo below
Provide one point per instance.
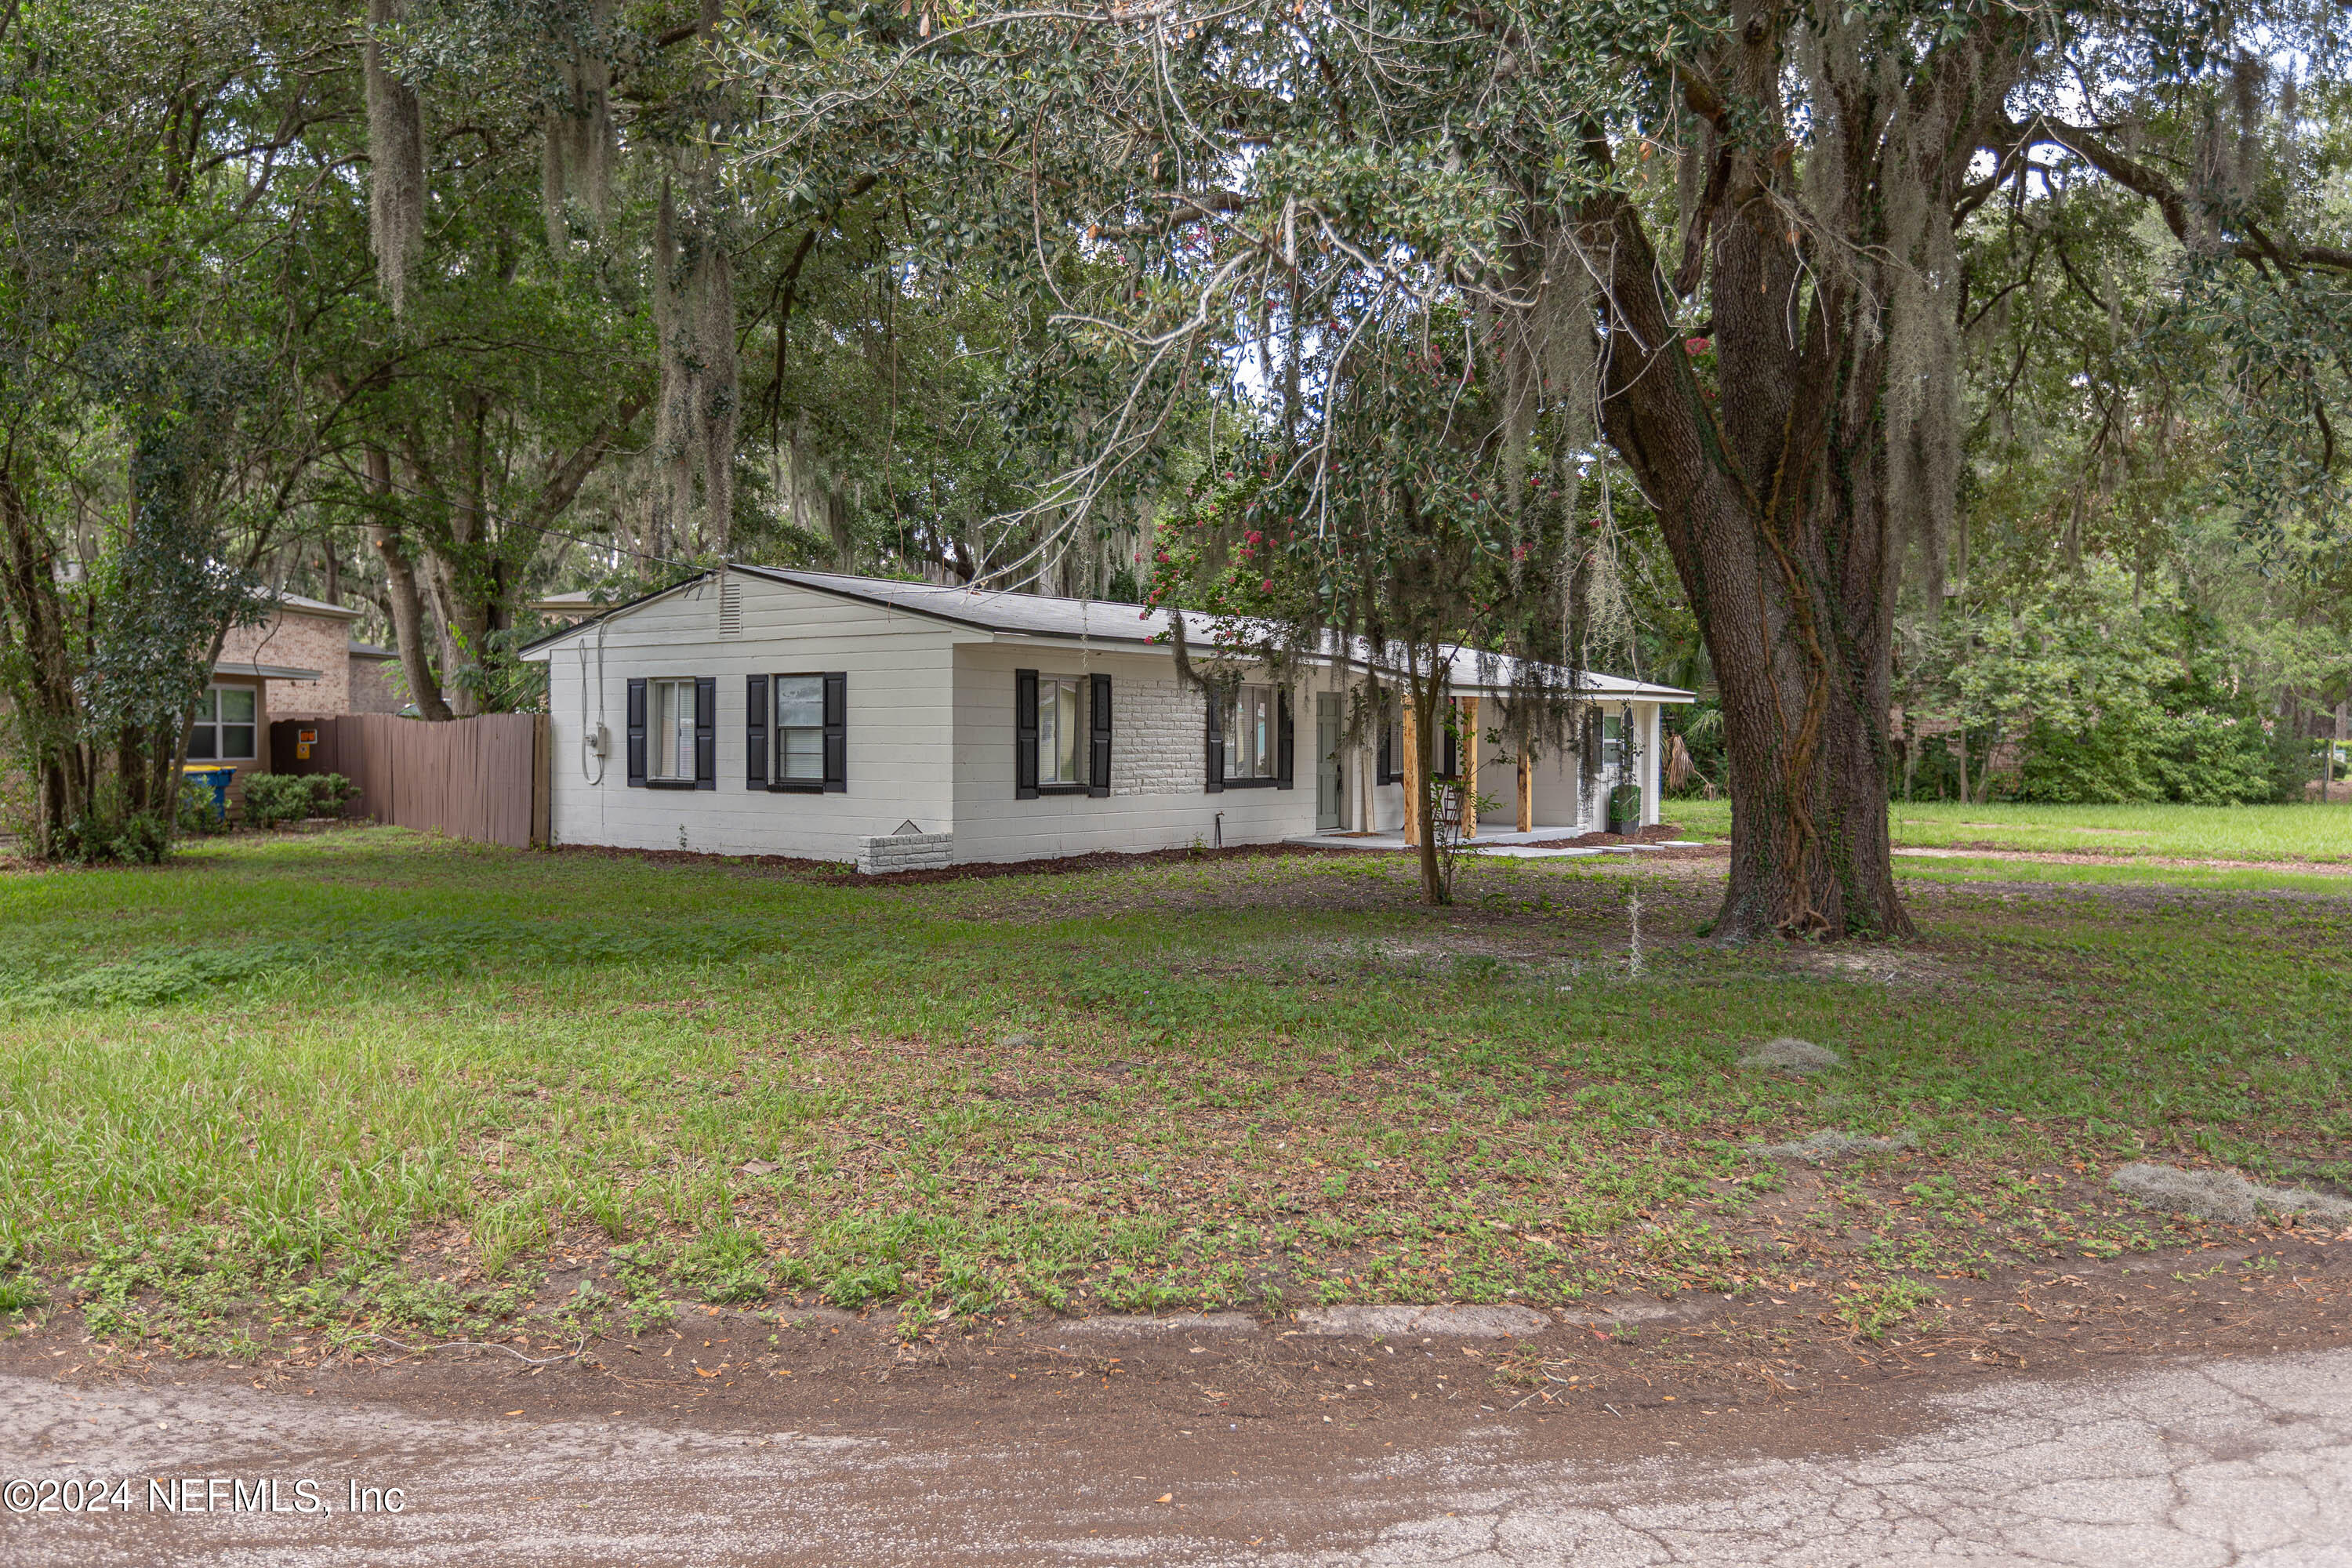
(595, 741)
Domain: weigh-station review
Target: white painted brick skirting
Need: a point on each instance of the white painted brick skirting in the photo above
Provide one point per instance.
(905, 852)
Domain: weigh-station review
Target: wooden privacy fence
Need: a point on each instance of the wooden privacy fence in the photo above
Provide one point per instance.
(482, 778)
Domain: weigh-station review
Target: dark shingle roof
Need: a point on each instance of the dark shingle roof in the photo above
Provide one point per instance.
(1093, 621)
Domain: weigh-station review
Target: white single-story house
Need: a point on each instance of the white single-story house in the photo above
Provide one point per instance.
(754, 711)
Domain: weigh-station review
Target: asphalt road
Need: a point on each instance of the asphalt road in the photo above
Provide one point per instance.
(2241, 1461)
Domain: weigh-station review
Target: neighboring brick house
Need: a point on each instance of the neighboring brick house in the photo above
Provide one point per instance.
(374, 680)
(299, 663)
(309, 635)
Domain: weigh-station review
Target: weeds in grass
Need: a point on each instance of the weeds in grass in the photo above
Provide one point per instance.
(728, 1262)
(21, 1293)
(1228, 1087)
(1868, 1307)
(638, 1274)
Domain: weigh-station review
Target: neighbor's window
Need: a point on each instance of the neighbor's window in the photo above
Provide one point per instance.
(223, 727)
(800, 728)
(1061, 732)
(669, 729)
(1250, 734)
(1612, 741)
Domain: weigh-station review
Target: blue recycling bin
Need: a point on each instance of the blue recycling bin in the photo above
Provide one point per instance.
(216, 779)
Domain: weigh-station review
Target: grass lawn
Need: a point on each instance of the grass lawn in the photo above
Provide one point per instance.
(371, 1078)
(2271, 833)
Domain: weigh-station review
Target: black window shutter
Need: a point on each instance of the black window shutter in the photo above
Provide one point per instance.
(1024, 734)
(1384, 770)
(1098, 737)
(1452, 768)
(636, 731)
(1216, 775)
(706, 732)
(755, 730)
(837, 731)
(1282, 743)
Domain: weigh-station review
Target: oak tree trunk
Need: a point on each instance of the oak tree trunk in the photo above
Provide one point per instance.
(49, 715)
(1800, 649)
(401, 598)
(1769, 488)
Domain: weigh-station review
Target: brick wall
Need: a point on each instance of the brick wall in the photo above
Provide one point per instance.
(376, 686)
(906, 852)
(305, 641)
(1158, 738)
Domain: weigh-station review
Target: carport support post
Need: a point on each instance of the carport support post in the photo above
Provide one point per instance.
(2343, 733)
(1413, 765)
(1527, 789)
(1469, 723)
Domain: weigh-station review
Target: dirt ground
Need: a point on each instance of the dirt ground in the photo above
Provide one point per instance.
(820, 1369)
(818, 1437)
(1230, 1436)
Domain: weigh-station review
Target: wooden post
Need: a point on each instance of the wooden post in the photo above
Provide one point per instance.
(2327, 760)
(1413, 765)
(1527, 790)
(1469, 749)
(542, 767)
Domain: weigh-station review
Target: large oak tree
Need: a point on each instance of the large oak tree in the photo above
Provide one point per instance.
(1723, 238)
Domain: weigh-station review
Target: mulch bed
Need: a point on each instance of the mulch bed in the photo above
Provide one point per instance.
(842, 874)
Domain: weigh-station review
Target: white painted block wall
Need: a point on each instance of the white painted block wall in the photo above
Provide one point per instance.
(1158, 765)
(900, 748)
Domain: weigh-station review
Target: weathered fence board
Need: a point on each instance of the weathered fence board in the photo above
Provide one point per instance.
(471, 778)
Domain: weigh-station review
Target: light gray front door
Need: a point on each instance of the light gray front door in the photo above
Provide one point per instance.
(1330, 802)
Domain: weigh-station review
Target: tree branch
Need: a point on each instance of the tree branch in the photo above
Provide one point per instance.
(2142, 180)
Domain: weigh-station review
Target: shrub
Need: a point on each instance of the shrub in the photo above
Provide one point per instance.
(2295, 761)
(1625, 808)
(2198, 757)
(197, 814)
(273, 798)
(329, 793)
(100, 837)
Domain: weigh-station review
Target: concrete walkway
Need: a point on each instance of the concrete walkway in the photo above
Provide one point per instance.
(2243, 1462)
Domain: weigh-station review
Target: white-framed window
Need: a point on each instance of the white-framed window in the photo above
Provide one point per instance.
(1613, 739)
(1251, 733)
(669, 729)
(800, 728)
(1061, 730)
(224, 727)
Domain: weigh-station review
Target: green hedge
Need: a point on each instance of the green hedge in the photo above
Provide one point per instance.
(273, 798)
(2193, 758)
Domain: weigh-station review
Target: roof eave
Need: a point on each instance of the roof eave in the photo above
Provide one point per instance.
(880, 602)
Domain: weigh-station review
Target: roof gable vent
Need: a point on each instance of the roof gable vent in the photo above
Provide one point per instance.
(730, 605)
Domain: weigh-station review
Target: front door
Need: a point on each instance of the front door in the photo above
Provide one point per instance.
(1331, 801)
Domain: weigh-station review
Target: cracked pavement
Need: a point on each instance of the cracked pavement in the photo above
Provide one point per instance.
(2238, 1461)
